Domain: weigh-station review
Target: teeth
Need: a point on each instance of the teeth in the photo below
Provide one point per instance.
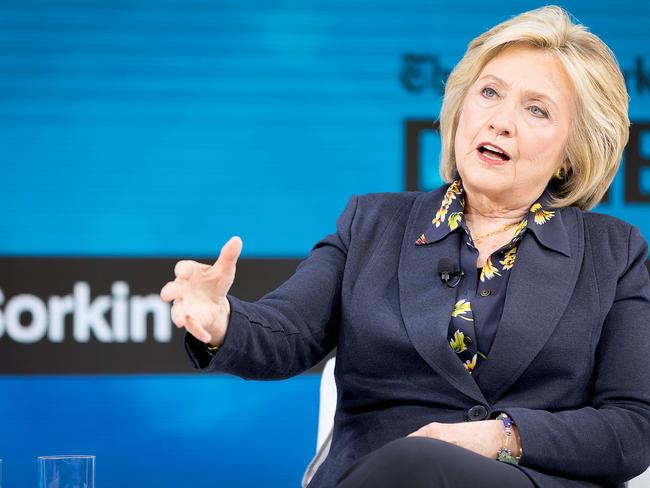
(492, 148)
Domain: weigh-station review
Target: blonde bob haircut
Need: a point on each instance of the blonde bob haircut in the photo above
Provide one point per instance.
(600, 128)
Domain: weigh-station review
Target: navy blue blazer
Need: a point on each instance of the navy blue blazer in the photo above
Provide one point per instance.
(568, 362)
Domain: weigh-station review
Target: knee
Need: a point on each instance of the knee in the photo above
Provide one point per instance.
(408, 461)
(416, 450)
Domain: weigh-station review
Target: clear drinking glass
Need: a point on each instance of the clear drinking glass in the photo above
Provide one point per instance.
(66, 471)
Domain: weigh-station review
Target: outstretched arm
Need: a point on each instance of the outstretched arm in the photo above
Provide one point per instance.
(288, 330)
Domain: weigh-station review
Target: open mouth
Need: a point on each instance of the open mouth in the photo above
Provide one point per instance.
(493, 152)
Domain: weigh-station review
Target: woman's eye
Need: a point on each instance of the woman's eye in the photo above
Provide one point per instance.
(538, 112)
(489, 92)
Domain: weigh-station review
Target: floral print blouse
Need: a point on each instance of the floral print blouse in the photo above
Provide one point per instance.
(481, 293)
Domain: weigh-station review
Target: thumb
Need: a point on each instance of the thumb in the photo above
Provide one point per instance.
(227, 261)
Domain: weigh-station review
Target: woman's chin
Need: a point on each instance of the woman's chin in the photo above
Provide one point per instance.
(487, 177)
(490, 184)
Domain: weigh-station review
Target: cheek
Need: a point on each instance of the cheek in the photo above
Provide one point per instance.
(465, 131)
(545, 144)
(470, 119)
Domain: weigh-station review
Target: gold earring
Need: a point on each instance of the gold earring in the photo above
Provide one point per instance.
(560, 173)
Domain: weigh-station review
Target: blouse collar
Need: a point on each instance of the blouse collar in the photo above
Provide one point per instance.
(544, 222)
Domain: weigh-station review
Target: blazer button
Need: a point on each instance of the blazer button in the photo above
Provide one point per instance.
(486, 292)
(478, 412)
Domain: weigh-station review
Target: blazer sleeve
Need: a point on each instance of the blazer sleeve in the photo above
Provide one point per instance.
(291, 328)
(608, 441)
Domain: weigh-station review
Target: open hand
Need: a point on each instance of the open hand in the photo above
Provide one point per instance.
(199, 294)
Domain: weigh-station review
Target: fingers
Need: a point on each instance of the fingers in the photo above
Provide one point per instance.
(182, 319)
(225, 264)
(183, 269)
(196, 330)
(427, 430)
(171, 291)
(178, 314)
(186, 268)
(228, 256)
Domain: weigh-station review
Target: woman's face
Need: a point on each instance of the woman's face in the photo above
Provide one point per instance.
(521, 104)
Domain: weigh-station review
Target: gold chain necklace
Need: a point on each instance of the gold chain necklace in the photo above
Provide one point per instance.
(495, 232)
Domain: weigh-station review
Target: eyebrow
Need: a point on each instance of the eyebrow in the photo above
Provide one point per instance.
(531, 93)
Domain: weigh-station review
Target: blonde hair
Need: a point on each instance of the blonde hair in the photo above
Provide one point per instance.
(600, 129)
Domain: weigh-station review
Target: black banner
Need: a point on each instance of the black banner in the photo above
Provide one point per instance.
(86, 316)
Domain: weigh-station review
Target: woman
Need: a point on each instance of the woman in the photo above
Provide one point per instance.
(494, 319)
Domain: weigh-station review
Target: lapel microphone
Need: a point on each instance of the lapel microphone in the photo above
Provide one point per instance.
(450, 273)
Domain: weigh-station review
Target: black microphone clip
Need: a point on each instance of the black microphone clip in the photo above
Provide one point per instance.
(450, 274)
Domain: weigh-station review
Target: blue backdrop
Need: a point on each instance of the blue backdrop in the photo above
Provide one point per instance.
(161, 128)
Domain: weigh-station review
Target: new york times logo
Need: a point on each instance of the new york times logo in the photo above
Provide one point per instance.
(28, 318)
(422, 72)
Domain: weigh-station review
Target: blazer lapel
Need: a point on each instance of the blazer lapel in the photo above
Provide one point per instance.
(426, 304)
(539, 290)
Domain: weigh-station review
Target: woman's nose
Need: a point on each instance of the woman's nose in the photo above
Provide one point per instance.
(502, 122)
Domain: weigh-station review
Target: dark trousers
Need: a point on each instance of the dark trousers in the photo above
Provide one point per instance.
(421, 462)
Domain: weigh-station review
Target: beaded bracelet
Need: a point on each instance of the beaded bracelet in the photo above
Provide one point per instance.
(504, 454)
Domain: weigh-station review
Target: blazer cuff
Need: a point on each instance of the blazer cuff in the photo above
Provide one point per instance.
(225, 359)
